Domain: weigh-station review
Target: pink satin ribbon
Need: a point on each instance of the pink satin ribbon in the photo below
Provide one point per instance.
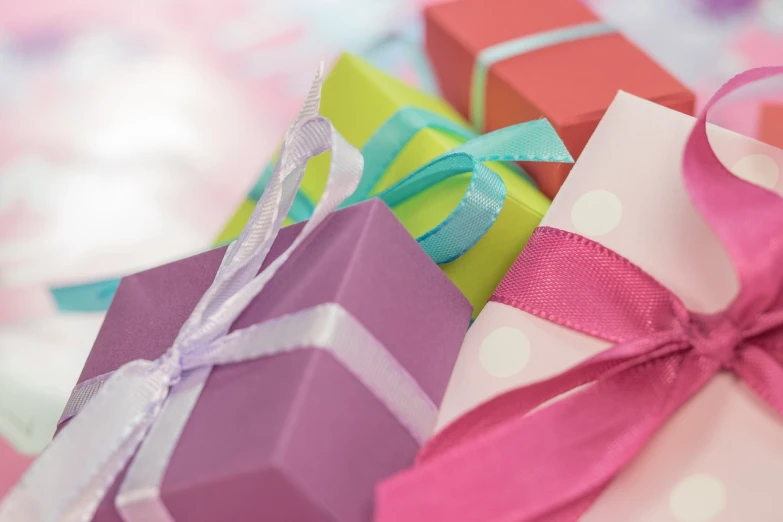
(501, 463)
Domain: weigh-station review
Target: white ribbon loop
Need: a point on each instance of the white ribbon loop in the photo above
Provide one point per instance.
(68, 481)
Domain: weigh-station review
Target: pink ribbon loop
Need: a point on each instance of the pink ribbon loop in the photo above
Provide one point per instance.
(520, 458)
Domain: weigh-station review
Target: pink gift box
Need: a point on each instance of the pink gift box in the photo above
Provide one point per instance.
(718, 458)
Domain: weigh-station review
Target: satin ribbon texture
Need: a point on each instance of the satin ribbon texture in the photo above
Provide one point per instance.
(137, 404)
(524, 44)
(477, 211)
(521, 458)
(449, 239)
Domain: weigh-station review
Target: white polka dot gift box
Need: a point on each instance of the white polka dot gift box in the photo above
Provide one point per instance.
(630, 366)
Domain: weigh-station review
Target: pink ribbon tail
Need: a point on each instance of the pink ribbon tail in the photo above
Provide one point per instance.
(521, 401)
(548, 466)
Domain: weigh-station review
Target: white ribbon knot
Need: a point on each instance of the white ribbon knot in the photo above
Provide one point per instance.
(170, 367)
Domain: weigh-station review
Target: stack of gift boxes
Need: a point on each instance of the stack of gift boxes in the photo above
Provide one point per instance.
(403, 356)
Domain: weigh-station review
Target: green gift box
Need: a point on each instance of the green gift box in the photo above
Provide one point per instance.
(399, 130)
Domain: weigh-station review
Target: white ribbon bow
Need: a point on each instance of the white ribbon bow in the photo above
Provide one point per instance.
(69, 480)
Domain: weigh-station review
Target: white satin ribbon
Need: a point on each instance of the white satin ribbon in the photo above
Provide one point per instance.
(71, 477)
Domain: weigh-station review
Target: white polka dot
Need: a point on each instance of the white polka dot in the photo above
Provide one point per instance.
(759, 169)
(698, 498)
(504, 352)
(596, 213)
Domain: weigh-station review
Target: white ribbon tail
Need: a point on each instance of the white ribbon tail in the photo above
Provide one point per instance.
(82, 394)
(245, 255)
(138, 499)
(226, 299)
(70, 478)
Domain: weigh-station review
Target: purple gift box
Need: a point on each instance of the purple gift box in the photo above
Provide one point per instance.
(296, 436)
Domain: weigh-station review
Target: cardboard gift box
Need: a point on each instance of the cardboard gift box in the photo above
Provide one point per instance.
(294, 436)
(501, 62)
(715, 458)
(362, 101)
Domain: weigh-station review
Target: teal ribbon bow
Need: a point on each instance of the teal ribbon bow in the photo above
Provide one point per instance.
(486, 192)
(448, 240)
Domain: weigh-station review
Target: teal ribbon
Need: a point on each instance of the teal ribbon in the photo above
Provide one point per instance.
(379, 153)
(388, 141)
(486, 192)
(90, 297)
(503, 51)
(474, 215)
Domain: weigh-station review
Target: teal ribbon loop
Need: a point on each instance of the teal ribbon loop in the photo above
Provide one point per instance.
(390, 139)
(379, 152)
(486, 193)
(504, 50)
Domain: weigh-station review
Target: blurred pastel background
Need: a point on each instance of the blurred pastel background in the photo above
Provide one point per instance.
(129, 131)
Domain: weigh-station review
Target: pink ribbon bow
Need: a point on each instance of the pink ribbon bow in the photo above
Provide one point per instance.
(501, 463)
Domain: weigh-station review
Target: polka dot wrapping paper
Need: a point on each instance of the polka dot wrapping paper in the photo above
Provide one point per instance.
(718, 457)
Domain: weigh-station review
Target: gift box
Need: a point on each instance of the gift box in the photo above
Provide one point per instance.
(400, 129)
(649, 221)
(501, 62)
(294, 436)
(702, 445)
(278, 378)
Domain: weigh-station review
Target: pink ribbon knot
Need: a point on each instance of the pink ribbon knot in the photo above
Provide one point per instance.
(524, 457)
(715, 337)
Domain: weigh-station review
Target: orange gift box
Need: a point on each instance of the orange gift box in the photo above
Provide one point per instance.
(561, 62)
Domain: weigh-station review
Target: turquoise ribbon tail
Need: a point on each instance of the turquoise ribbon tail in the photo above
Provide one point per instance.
(505, 50)
(486, 192)
(89, 297)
